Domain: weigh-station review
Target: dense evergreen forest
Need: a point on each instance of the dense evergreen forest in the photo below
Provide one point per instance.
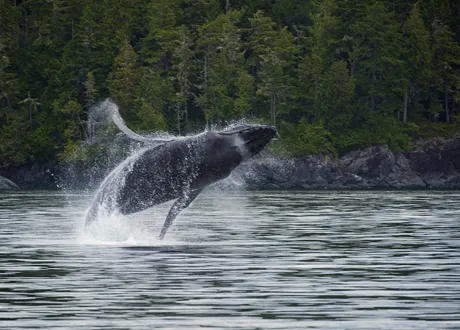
(332, 75)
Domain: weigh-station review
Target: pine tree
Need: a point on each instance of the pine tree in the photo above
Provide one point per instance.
(321, 47)
(90, 90)
(446, 65)
(418, 57)
(182, 59)
(123, 79)
(272, 56)
(8, 78)
(376, 57)
(162, 19)
(153, 97)
(32, 106)
(336, 91)
(221, 63)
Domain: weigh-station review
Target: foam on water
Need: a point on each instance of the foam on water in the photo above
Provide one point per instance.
(110, 227)
(116, 229)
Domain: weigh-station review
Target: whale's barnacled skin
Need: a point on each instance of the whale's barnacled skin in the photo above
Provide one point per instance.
(179, 169)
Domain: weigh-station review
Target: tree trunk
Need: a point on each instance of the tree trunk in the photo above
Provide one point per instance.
(26, 27)
(30, 116)
(372, 96)
(273, 109)
(186, 116)
(446, 104)
(9, 104)
(406, 101)
(178, 117)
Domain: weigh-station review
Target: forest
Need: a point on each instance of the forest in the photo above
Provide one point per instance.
(331, 75)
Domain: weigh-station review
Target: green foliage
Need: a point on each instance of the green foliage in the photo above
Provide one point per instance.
(152, 96)
(377, 130)
(221, 70)
(124, 77)
(377, 58)
(445, 130)
(152, 118)
(419, 56)
(332, 75)
(303, 139)
(446, 69)
(336, 92)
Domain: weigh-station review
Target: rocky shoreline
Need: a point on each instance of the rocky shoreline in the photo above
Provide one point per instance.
(431, 164)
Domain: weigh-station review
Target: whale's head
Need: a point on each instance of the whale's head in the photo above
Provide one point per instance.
(253, 138)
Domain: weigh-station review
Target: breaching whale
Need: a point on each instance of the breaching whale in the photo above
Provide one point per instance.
(176, 169)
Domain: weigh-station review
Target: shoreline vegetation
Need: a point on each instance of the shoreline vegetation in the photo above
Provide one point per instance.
(433, 163)
(334, 76)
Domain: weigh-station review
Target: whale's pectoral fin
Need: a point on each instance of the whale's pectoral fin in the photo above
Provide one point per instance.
(180, 204)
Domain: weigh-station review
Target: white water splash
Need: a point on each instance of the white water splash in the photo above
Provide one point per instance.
(110, 226)
(119, 230)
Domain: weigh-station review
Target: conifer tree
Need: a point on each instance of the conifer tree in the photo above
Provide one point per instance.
(339, 73)
(153, 98)
(124, 77)
(273, 59)
(90, 90)
(336, 92)
(182, 59)
(8, 32)
(321, 44)
(418, 57)
(221, 66)
(446, 65)
(162, 19)
(376, 54)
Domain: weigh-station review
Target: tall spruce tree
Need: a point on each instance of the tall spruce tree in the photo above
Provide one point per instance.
(123, 79)
(221, 65)
(322, 42)
(273, 59)
(337, 72)
(376, 54)
(418, 59)
(336, 91)
(182, 59)
(446, 66)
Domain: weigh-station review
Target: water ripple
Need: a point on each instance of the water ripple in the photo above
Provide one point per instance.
(241, 260)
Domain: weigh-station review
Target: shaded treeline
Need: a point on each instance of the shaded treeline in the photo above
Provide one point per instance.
(332, 75)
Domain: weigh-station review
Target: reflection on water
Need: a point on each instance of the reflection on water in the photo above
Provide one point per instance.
(249, 260)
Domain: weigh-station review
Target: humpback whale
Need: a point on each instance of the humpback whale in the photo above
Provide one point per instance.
(175, 169)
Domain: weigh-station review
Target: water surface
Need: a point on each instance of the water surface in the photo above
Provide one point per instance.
(236, 260)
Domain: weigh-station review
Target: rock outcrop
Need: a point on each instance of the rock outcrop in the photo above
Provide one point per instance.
(437, 162)
(6, 184)
(35, 176)
(432, 163)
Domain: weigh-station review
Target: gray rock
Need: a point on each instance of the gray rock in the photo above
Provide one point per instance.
(402, 176)
(437, 161)
(6, 184)
(432, 163)
(381, 168)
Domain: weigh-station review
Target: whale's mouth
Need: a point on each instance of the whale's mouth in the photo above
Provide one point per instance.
(254, 137)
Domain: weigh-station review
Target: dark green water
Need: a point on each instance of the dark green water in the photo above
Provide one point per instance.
(240, 260)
